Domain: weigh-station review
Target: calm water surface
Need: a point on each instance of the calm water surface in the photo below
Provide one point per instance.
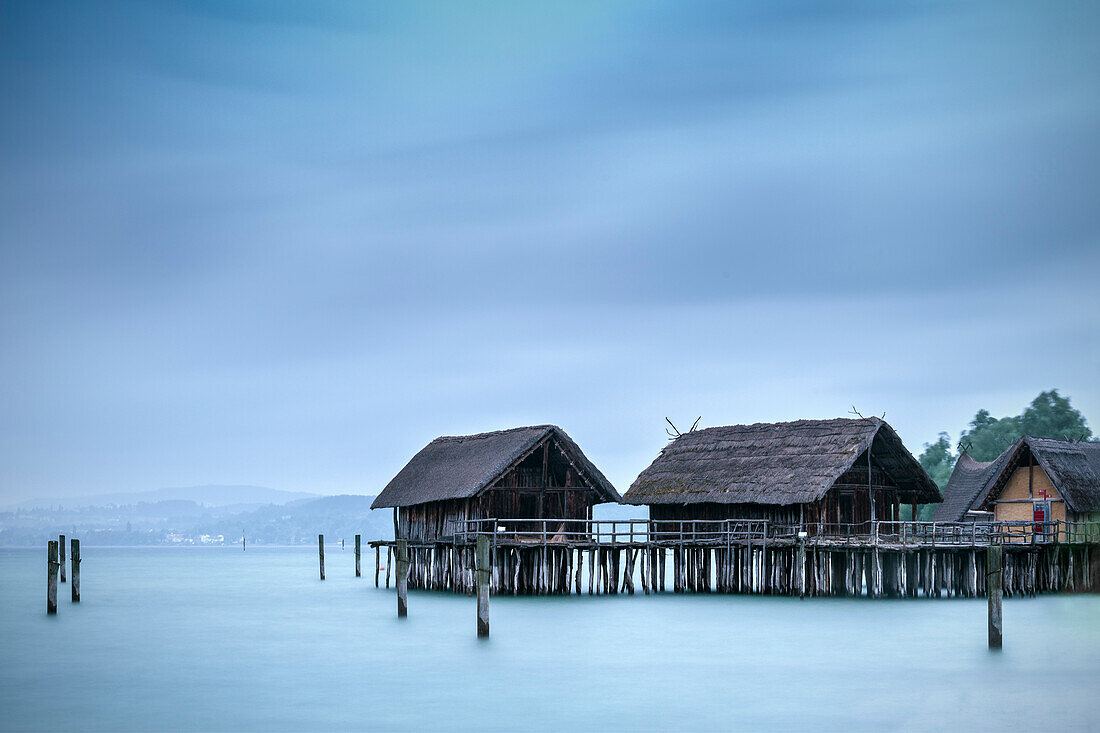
(219, 639)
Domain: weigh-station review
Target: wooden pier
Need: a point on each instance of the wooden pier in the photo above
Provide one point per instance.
(889, 559)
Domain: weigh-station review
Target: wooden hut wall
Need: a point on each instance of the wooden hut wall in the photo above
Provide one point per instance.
(434, 520)
(543, 485)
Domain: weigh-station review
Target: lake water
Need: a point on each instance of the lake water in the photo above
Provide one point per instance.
(220, 639)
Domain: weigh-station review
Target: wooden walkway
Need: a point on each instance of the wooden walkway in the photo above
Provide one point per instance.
(875, 559)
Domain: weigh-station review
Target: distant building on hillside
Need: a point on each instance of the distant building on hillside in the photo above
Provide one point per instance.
(810, 472)
(524, 473)
(1033, 480)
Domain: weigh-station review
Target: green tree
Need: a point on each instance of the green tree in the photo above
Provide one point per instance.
(1049, 415)
(938, 460)
(988, 436)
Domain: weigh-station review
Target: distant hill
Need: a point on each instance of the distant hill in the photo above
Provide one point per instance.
(334, 516)
(239, 497)
(185, 522)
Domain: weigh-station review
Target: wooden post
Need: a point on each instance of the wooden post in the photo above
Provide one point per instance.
(321, 553)
(51, 577)
(402, 578)
(994, 582)
(74, 558)
(61, 555)
(358, 540)
(482, 585)
(378, 564)
(800, 568)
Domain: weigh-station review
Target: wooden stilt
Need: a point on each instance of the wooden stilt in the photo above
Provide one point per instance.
(74, 558)
(51, 576)
(483, 585)
(800, 569)
(358, 539)
(61, 555)
(994, 581)
(402, 578)
(321, 553)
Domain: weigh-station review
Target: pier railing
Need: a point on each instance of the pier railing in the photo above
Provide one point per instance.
(892, 533)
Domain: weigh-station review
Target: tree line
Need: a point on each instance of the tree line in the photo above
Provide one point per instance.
(1050, 415)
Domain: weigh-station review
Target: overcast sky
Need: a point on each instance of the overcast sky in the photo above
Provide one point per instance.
(288, 243)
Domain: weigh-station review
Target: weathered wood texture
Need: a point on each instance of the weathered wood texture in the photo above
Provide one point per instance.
(61, 555)
(544, 485)
(321, 553)
(798, 569)
(994, 580)
(483, 573)
(402, 578)
(51, 576)
(74, 558)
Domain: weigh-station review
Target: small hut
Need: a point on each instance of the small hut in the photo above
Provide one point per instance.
(533, 472)
(1033, 480)
(808, 472)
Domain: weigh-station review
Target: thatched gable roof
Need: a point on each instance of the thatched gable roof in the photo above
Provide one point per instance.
(966, 482)
(775, 463)
(458, 467)
(1073, 468)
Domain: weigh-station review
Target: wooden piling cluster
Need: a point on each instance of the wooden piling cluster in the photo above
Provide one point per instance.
(796, 569)
(55, 569)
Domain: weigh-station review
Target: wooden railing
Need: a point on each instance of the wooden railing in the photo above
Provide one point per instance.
(760, 531)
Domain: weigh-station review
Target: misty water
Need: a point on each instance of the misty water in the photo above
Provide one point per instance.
(220, 639)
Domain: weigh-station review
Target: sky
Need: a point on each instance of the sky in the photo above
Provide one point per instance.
(288, 243)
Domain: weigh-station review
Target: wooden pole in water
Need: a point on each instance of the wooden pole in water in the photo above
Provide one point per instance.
(358, 540)
(51, 577)
(402, 572)
(482, 585)
(74, 558)
(993, 579)
(61, 555)
(800, 568)
(321, 553)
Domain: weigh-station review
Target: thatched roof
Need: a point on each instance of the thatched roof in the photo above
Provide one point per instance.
(458, 467)
(775, 463)
(966, 482)
(1073, 468)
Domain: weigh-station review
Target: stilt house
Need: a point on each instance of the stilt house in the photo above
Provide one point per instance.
(809, 472)
(1033, 480)
(524, 473)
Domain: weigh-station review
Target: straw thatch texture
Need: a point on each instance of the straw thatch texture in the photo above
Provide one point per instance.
(459, 467)
(966, 483)
(775, 463)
